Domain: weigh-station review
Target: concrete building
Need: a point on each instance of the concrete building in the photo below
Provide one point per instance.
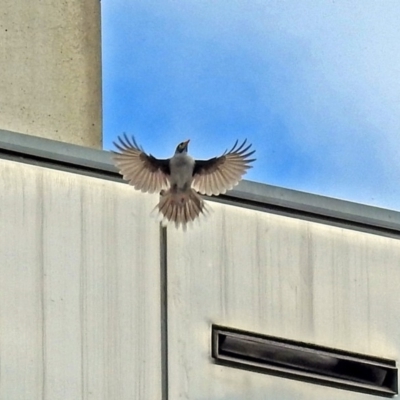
(50, 80)
(98, 302)
(278, 295)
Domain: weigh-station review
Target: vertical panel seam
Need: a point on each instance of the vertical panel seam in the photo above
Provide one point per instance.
(164, 312)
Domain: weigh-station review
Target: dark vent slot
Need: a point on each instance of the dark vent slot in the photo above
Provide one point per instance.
(305, 362)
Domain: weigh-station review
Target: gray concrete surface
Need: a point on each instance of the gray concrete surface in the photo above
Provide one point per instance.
(50, 80)
(79, 289)
(97, 303)
(279, 276)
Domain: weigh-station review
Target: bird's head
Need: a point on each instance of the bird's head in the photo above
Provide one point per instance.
(182, 147)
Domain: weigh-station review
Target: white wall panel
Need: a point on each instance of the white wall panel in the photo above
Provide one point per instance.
(79, 288)
(80, 293)
(278, 276)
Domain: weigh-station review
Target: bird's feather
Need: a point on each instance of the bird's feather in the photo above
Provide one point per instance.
(219, 174)
(180, 177)
(143, 171)
(181, 208)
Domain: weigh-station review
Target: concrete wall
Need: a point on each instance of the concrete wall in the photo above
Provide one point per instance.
(79, 288)
(96, 303)
(283, 277)
(50, 74)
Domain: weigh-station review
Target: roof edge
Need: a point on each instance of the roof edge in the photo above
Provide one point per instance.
(100, 161)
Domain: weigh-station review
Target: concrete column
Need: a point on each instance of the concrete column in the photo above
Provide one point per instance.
(50, 69)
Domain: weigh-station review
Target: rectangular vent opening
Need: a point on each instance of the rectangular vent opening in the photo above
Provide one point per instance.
(303, 361)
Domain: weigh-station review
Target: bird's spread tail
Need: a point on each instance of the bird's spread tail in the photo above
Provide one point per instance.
(180, 208)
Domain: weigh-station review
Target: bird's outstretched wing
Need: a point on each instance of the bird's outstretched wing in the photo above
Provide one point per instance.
(144, 172)
(219, 174)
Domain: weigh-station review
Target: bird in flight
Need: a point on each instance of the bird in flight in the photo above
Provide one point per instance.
(181, 178)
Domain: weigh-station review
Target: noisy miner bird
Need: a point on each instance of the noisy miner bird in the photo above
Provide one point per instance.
(178, 179)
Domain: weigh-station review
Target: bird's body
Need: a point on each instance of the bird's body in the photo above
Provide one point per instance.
(179, 178)
(181, 167)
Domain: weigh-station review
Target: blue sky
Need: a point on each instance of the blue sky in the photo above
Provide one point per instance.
(314, 85)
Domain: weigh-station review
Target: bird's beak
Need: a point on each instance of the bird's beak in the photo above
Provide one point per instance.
(186, 143)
